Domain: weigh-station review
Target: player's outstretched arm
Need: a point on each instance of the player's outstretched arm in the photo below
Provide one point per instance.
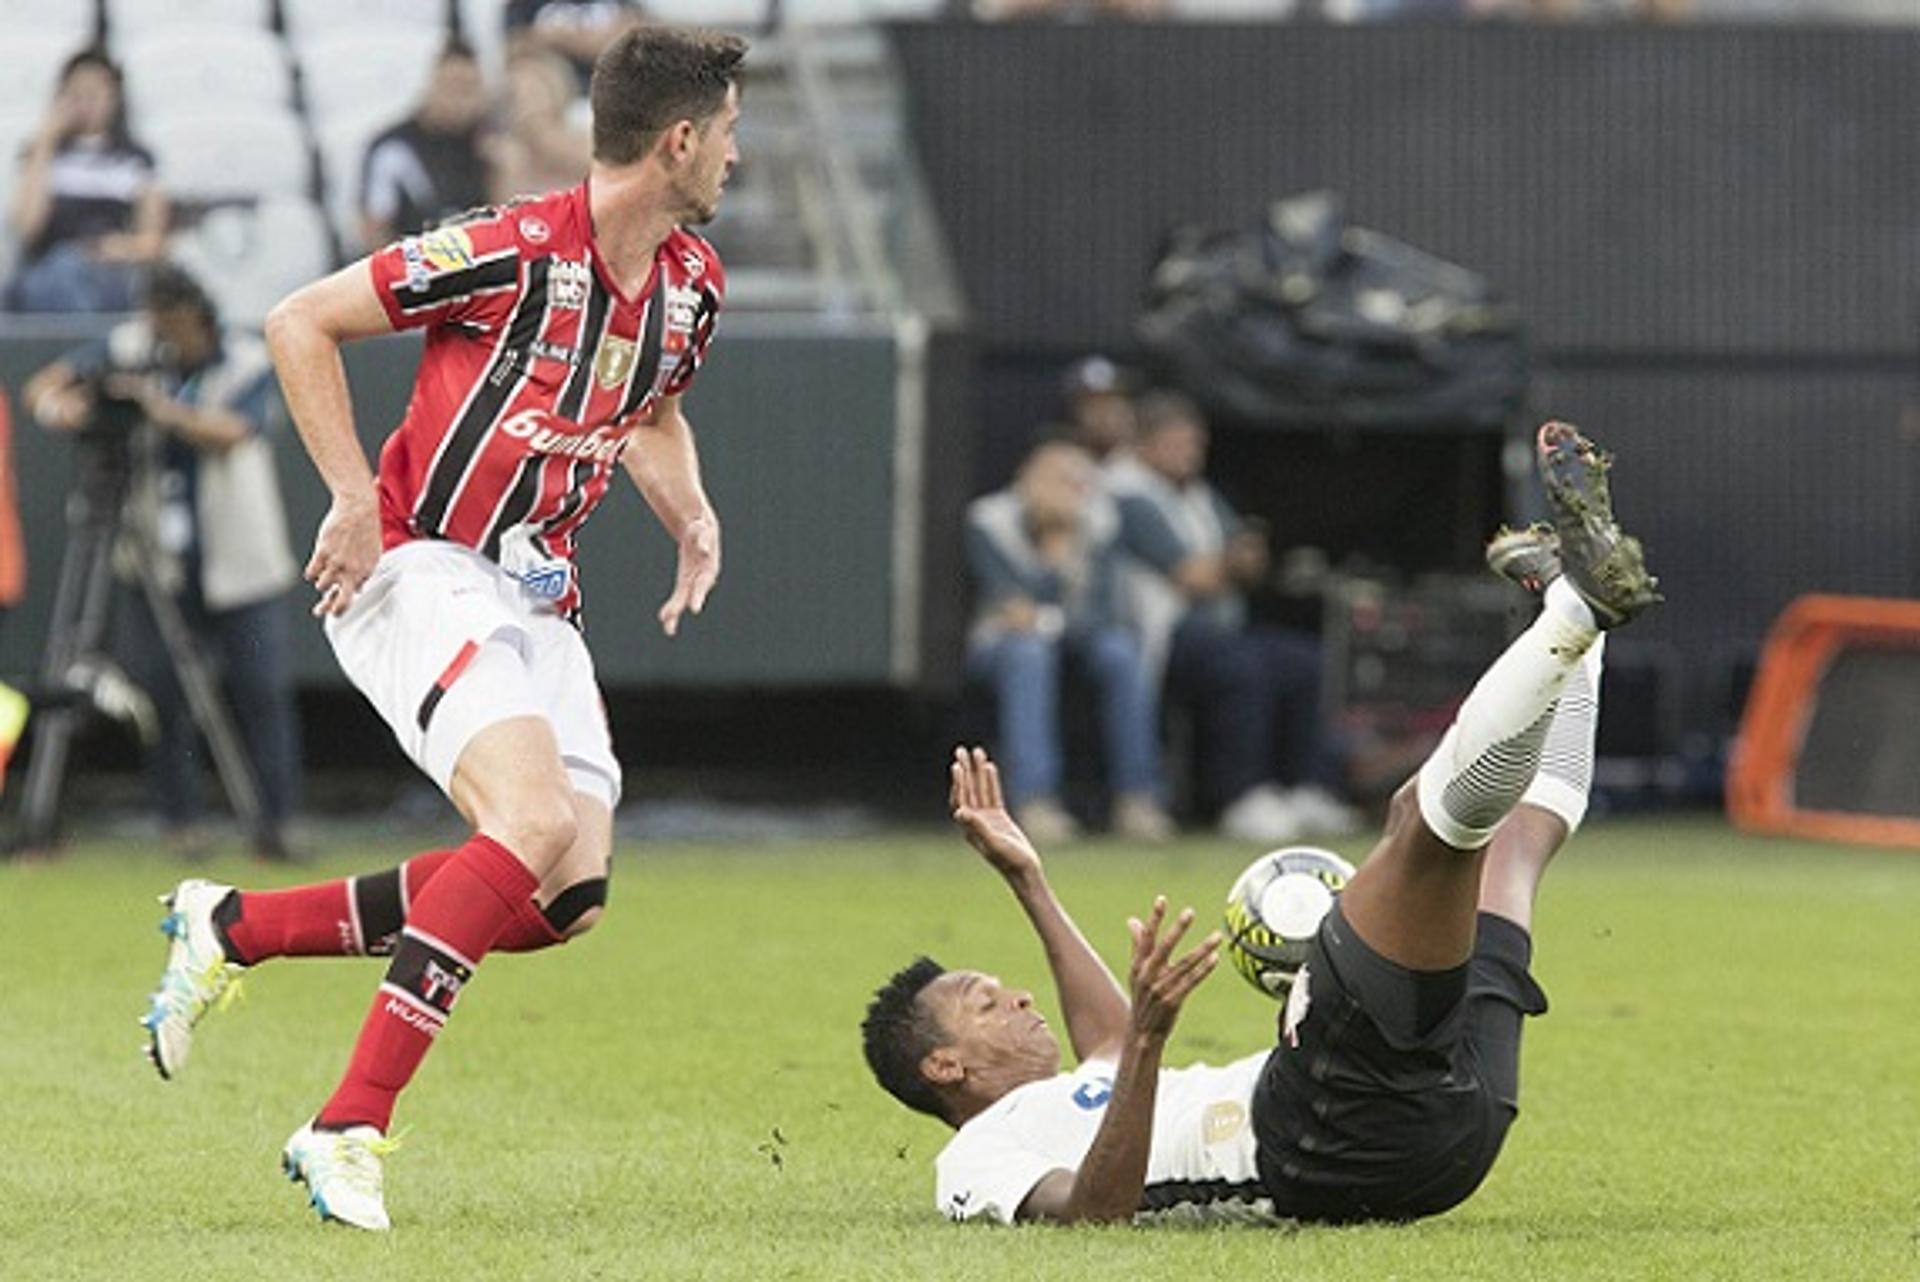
(305, 332)
(664, 464)
(1108, 1185)
(1091, 999)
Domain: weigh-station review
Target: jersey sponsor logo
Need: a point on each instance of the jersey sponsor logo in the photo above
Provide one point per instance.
(614, 361)
(546, 582)
(535, 229)
(545, 578)
(1298, 1003)
(555, 352)
(682, 313)
(1223, 1120)
(412, 1016)
(683, 308)
(440, 986)
(448, 249)
(601, 445)
(1094, 1094)
(415, 262)
(567, 284)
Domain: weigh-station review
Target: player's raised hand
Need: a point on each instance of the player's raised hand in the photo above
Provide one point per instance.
(344, 552)
(698, 569)
(980, 809)
(1160, 983)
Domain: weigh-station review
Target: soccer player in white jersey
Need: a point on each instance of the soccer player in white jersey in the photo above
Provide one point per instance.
(1396, 1073)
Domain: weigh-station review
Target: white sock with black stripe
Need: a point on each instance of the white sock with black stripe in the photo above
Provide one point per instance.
(1489, 756)
(1565, 778)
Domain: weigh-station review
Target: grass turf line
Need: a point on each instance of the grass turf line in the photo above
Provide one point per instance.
(1725, 1087)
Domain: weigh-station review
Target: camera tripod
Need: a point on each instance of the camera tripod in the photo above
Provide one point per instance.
(106, 467)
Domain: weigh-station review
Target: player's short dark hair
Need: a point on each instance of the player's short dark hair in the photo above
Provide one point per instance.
(650, 78)
(899, 1031)
(1161, 409)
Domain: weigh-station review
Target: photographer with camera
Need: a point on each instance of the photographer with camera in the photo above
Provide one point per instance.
(184, 405)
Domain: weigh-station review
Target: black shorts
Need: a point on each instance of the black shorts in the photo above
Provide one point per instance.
(1392, 1095)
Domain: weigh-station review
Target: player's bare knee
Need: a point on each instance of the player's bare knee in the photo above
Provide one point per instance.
(542, 828)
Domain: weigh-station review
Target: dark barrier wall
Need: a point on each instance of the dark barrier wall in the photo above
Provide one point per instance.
(798, 442)
(1636, 190)
(1713, 233)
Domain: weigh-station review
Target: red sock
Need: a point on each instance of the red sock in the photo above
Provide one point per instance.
(463, 908)
(355, 917)
(528, 932)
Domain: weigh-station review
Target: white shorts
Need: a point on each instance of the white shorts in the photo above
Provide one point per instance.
(444, 644)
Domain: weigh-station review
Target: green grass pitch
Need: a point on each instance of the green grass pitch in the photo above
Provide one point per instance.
(1728, 1085)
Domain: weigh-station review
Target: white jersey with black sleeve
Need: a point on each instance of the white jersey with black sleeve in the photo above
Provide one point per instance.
(1200, 1167)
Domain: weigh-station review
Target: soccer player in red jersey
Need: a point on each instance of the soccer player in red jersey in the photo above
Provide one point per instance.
(561, 332)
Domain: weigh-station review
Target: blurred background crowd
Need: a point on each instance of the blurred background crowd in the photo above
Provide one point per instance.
(1163, 603)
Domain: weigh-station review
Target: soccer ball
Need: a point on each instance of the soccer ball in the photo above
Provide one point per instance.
(1274, 909)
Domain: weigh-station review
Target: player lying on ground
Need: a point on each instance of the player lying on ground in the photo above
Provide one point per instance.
(1396, 1074)
(561, 333)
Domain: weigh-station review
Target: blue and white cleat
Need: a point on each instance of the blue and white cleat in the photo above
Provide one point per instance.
(198, 978)
(343, 1173)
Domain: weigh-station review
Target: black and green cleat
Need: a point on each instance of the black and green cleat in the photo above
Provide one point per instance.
(1528, 558)
(1604, 565)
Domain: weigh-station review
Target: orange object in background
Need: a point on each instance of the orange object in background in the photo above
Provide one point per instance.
(13, 548)
(1783, 740)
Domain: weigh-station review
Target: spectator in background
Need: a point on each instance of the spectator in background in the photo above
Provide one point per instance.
(576, 30)
(208, 501)
(437, 162)
(1043, 560)
(87, 211)
(546, 147)
(1264, 754)
(1100, 416)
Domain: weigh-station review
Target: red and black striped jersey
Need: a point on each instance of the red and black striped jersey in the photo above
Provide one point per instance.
(535, 368)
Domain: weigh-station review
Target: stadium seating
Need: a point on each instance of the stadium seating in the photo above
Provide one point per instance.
(849, 13)
(309, 19)
(729, 15)
(483, 24)
(30, 61)
(343, 149)
(16, 127)
(216, 154)
(189, 68)
(355, 74)
(18, 124)
(69, 22)
(250, 258)
(128, 20)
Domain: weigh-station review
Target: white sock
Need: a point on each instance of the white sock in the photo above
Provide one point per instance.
(1565, 777)
(1563, 600)
(1489, 755)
